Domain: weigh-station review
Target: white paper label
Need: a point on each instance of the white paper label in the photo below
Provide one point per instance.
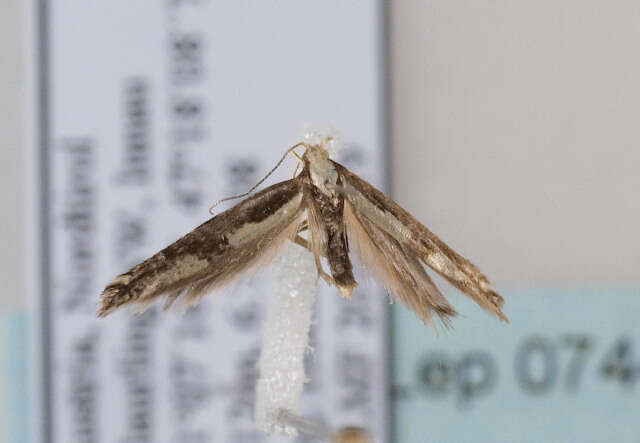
(157, 110)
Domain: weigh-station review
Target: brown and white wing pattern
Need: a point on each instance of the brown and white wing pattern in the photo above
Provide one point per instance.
(405, 238)
(215, 253)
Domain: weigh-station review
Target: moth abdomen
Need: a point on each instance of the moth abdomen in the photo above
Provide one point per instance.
(339, 262)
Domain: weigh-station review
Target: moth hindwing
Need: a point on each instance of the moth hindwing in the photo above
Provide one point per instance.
(341, 212)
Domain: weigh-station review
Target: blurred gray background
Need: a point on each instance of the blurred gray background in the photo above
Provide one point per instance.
(515, 134)
(12, 96)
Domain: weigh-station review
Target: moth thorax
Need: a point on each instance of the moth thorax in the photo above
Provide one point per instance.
(323, 173)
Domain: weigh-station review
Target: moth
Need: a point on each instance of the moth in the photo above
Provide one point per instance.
(342, 212)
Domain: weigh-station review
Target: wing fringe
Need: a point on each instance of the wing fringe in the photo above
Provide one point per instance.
(397, 269)
(383, 212)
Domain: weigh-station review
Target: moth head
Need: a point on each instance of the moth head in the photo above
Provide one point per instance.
(316, 153)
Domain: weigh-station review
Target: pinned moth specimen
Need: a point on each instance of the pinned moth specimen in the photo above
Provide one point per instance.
(342, 212)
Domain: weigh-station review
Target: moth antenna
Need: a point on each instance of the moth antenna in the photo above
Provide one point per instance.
(295, 171)
(295, 154)
(253, 188)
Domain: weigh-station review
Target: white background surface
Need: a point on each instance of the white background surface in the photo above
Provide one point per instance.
(155, 112)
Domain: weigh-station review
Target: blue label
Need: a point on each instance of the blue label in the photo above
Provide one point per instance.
(566, 368)
(14, 370)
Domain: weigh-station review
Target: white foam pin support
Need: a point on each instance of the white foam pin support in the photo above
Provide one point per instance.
(286, 337)
(286, 333)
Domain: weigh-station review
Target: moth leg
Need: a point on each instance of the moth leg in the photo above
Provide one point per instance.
(321, 274)
(301, 241)
(303, 227)
(316, 257)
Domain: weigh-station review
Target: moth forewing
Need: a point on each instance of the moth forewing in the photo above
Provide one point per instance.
(318, 233)
(257, 254)
(215, 253)
(388, 216)
(396, 268)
